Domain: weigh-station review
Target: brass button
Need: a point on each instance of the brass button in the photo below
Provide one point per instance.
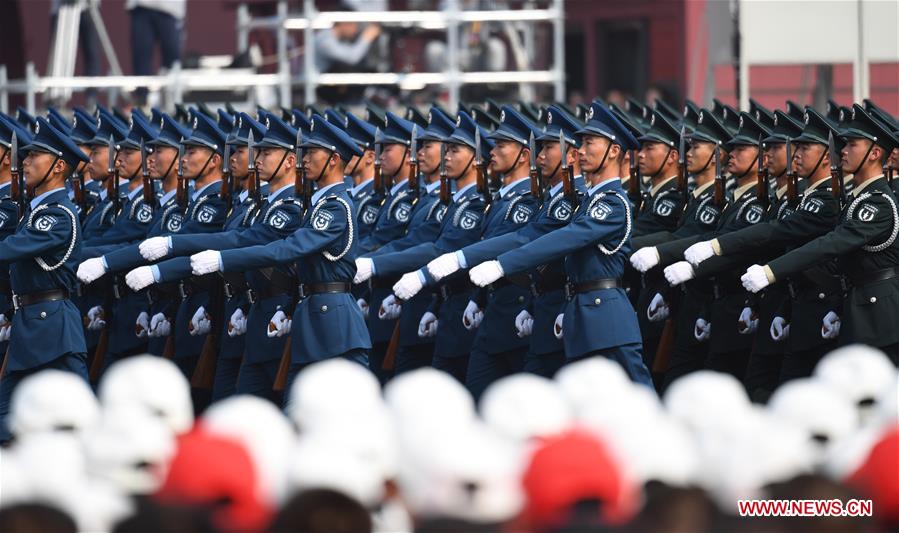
(820, 295)
(43, 314)
(873, 300)
(597, 301)
(324, 309)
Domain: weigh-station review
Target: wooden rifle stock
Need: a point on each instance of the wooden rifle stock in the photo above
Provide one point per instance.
(78, 189)
(535, 184)
(204, 373)
(482, 185)
(18, 193)
(283, 368)
(444, 190)
(413, 180)
(761, 188)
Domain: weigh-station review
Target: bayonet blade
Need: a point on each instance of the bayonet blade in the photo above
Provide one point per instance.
(14, 153)
(682, 145)
(226, 161)
(378, 139)
(413, 151)
(834, 154)
(180, 160)
(717, 162)
(563, 148)
(532, 147)
(442, 159)
(761, 157)
(477, 144)
(298, 154)
(143, 160)
(789, 156)
(110, 156)
(251, 148)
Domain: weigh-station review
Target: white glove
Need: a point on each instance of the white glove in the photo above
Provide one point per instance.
(91, 269)
(408, 286)
(206, 262)
(444, 265)
(780, 329)
(699, 252)
(645, 258)
(755, 278)
(154, 248)
(679, 272)
(830, 326)
(279, 325)
(142, 325)
(139, 278)
(160, 326)
(200, 324)
(472, 316)
(427, 326)
(702, 330)
(557, 327)
(524, 323)
(237, 324)
(748, 322)
(363, 306)
(486, 273)
(95, 318)
(658, 309)
(5, 328)
(365, 267)
(390, 308)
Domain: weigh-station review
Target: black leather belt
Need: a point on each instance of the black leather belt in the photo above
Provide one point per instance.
(328, 287)
(456, 286)
(828, 285)
(873, 277)
(518, 280)
(382, 283)
(545, 285)
(266, 292)
(39, 297)
(586, 286)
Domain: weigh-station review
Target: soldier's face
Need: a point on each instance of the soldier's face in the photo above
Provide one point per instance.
(314, 160)
(893, 161)
(457, 158)
(239, 163)
(195, 159)
(549, 158)
(429, 157)
(392, 158)
(504, 155)
(776, 158)
(99, 159)
(161, 161)
(806, 157)
(127, 161)
(36, 165)
(741, 158)
(267, 164)
(84, 167)
(853, 153)
(699, 155)
(592, 152)
(651, 157)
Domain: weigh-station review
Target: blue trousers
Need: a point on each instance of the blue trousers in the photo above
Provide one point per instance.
(75, 363)
(225, 382)
(413, 357)
(545, 365)
(454, 366)
(258, 378)
(485, 368)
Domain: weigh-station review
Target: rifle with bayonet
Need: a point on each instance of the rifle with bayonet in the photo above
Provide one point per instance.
(792, 189)
(113, 180)
(761, 187)
(444, 179)
(720, 184)
(682, 165)
(413, 165)
(109, 297)
(78, 192)
(17, 185)
(227, 192)
(148, 191)
(568, 187)
(480, 165)
(836, 171)
(536, 189)
(378, 185)
(181, 190)
(253, 174)
(633, 183)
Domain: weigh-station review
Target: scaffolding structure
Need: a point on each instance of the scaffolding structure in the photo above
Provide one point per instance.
(172, 85)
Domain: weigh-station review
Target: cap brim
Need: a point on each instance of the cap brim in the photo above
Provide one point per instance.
(806, 138)
(653, 138)
(500, 135)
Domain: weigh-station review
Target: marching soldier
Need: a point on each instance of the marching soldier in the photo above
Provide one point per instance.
(102, 216)
(42, 255)
(326, 322)
(362, 170)
(84, 128)
(594, 245)
(864, 243)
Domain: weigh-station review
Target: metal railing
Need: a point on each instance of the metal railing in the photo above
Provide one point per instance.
(173, 84)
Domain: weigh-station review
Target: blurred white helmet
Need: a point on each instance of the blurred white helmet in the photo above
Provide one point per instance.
(524, 406)
(634, 405)
(467, 474)
(332, 388)
(320, 464)
(52, 400)
(859, 372)
(131, 449)
(591, 381)
(266, 434)
(153, 384)
(15, 487)
(706, 398)
(373, 439)
(429, 397)
(826, 416)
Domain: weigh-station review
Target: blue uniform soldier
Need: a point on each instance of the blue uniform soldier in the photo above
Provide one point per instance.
(460, 227)
(269, 290)
(545, 352)
(326, 322)
(42, 255)
(102, 216)
(361, 170)
(84, 128)
(594, 245)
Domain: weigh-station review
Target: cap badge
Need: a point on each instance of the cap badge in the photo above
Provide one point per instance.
(741, 122)
(805, 117)
(502, 116)
(195, 122)
(590, 114)
(652, 121)
(699, 120)
(549, 118)
(775, 120)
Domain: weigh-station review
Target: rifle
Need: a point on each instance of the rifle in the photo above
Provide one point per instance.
(567, 179)
(761, 188)
(719, 180)
(17, 185)
(227, 192)
(836, 171)
(100, 352)
(204, 373)
(482, 185)
(535, 178)
(633, 184)
(181, 191)
(682, 165)
(253, 176)
(379, 185)
(444, 179)
(113, 186)
(78, 189)
(413, 165)
(792, 192)
(149, 193)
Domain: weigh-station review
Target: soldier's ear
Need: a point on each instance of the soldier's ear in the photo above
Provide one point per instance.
(60, 167)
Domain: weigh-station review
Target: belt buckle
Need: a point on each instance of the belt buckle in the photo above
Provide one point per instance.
(569, 290)
(251, 296)
(16, 304)
(229, 291)
(181, 290)
(301, 291)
